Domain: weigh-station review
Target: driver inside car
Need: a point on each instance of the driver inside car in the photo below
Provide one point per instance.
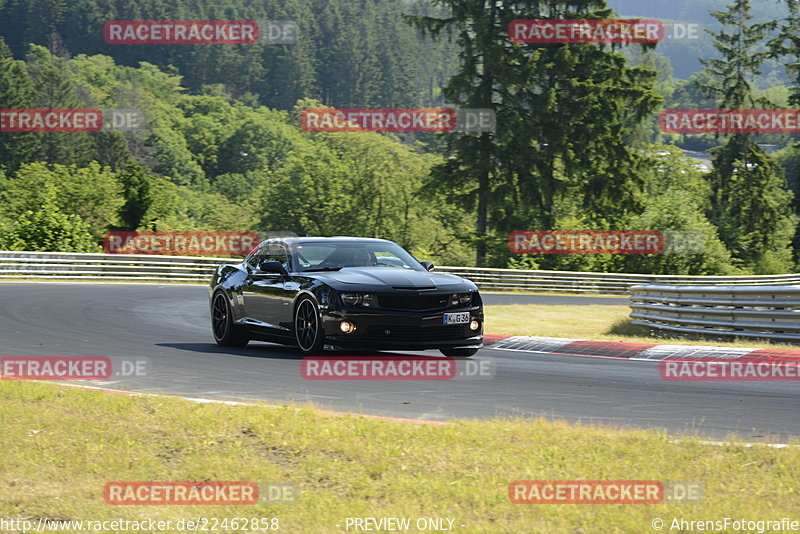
(359, 257)
(350, 257)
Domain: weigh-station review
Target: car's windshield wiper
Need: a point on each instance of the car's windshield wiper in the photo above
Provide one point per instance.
(322, 269)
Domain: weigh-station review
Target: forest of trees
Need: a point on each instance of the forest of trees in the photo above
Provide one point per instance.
(577, 144)
(685, 55)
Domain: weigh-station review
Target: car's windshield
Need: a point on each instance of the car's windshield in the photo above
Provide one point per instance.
(333, 256)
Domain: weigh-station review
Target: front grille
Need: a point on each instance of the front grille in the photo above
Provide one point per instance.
(436, 301)
(411, 334)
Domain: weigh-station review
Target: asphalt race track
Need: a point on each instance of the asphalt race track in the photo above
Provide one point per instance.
(169, 325)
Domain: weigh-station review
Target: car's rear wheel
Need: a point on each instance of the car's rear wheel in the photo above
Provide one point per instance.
(226, 334)
(458, 353)
(308, 327)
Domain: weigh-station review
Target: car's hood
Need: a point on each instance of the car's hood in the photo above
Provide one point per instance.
(383, 277)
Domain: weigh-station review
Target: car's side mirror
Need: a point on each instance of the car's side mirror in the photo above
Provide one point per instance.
(272, 266)
(428, 265)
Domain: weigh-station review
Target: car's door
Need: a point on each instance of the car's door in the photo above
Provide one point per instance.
(265, 299)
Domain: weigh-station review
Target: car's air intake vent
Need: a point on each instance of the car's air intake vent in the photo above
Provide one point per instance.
(414, 302)
(415, 288)
(407, 333)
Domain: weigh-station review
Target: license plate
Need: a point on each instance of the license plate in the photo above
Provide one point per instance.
(456, 318)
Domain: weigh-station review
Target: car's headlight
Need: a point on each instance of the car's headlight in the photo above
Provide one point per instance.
(461, 299)
(358, 299)
(351, 299)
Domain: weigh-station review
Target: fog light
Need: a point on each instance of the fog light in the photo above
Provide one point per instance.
(347, 327)
(474, 324)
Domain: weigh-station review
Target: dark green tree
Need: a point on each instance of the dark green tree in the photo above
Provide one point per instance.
(16, 91)
(56, 88)
(138, 190)
(751, 204)
(786, 46)
(740, 43)
(565, 115)
(111, 149)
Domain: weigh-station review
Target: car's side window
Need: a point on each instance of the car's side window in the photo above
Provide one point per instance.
(270, 252)
(256, 257)
(277, 252)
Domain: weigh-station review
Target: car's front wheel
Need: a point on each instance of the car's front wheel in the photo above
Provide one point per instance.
(226, 334)
(458, 353)
(308, 327)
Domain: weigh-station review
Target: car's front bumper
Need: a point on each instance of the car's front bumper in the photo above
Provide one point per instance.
(401, 330)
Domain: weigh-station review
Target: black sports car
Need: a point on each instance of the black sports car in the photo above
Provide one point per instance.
(345, 293)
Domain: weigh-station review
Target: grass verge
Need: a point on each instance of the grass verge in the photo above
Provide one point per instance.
(599, 322)
(61, 445)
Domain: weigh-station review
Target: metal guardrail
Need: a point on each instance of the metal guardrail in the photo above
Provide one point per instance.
(769, 312)
(72, 266)
(585, 282)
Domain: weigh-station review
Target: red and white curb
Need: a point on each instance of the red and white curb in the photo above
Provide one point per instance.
(628, 351)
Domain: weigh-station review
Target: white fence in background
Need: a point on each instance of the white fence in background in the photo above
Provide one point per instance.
(74, 266)
(770, 312)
